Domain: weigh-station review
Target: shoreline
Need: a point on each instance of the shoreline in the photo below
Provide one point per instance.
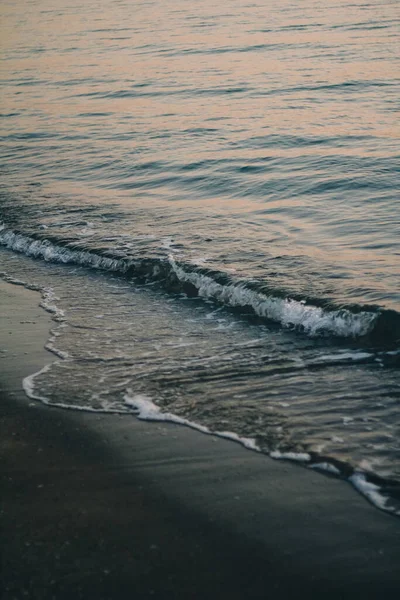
(108, 505)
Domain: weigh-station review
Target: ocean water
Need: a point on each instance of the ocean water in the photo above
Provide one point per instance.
(207, 197)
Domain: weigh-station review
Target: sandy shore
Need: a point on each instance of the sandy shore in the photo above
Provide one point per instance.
(103, 506)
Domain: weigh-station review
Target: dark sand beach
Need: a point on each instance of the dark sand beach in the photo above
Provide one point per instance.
(105, 506)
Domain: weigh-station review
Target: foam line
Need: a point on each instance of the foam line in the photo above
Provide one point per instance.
(146, 410)
(29, 386)
(325, 466)
(372, 492)
(302, 457)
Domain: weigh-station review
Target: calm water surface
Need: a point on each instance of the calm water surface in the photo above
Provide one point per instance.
(208, 198)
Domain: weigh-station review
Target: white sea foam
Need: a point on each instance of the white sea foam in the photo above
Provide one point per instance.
(13, 280)
(246, 442)
(372, 492)
(146, 410)
(290, 313)
(53, 253)
(51, 348)
(49, 304)
(337, 440)
(28, 385)
(296, 456)
(349, 355)
(325, 466)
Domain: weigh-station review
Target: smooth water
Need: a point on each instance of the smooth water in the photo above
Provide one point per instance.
(212, 195)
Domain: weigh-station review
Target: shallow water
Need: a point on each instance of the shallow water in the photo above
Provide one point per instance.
(212, 195)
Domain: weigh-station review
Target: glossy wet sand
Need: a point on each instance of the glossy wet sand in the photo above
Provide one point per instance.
(110, 507)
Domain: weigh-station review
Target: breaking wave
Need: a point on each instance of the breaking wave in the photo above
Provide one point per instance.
(378, 325)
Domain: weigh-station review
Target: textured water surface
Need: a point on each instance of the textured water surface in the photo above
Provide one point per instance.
(211, 192)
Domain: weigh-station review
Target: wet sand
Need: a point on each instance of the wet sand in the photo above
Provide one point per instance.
(104, 506)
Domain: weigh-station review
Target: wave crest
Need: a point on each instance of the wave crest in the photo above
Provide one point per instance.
(378, 325)
(286, 311)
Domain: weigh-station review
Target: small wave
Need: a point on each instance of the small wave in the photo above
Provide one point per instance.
(375, 491)
(379, 326)
(384, 495)
(286, 311)
(45, 249)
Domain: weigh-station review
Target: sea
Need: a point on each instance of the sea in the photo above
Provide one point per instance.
(206, 195)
